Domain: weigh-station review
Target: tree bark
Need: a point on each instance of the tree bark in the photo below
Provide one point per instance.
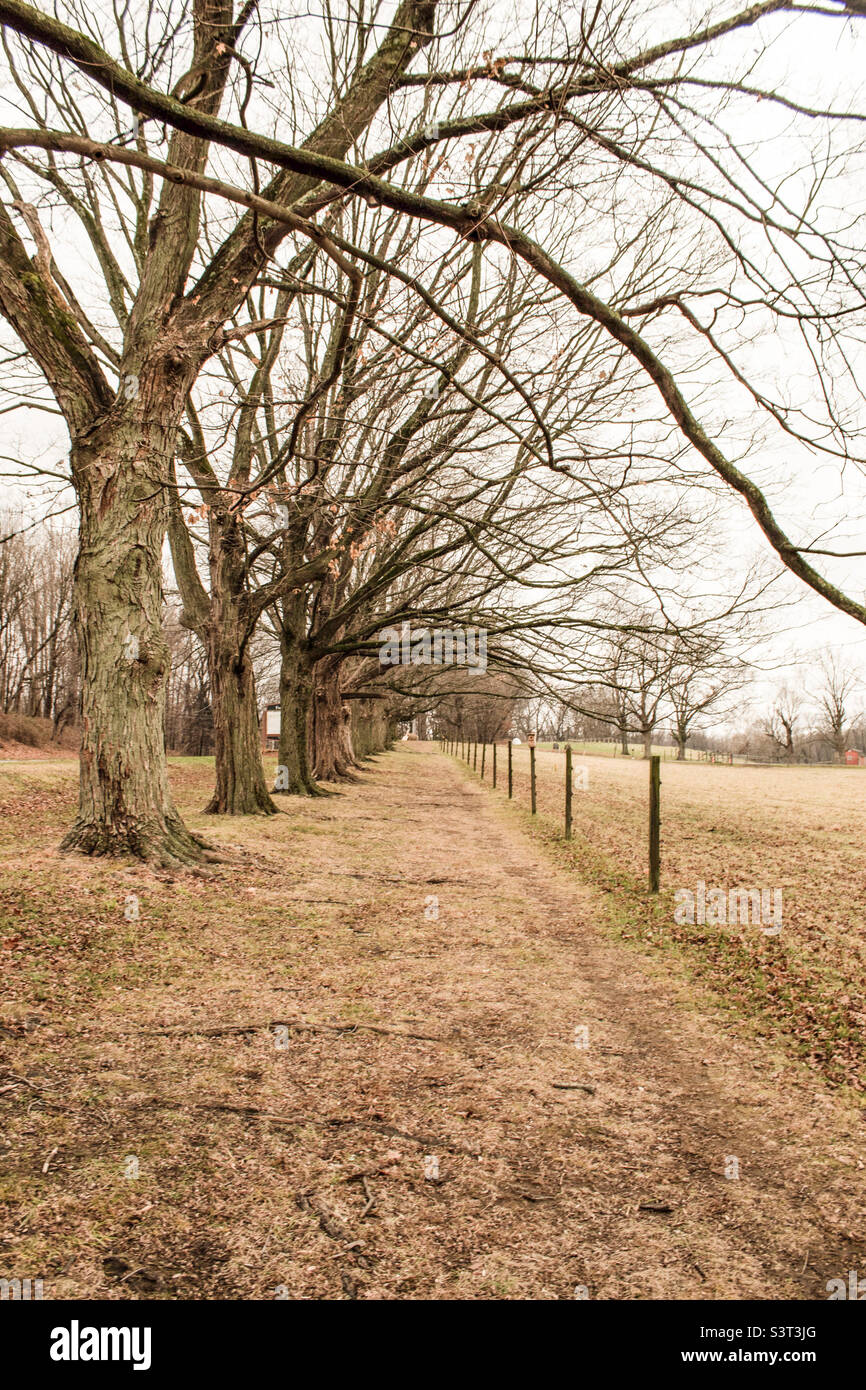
(225, 624)
(125, 805)
(241, 789)
(334, 757)
(370, 731)
(296, 696)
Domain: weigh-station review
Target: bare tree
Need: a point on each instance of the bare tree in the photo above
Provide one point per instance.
(123, 405)
(703, 673)
(188, 712)
(782, 723)
(838, 683)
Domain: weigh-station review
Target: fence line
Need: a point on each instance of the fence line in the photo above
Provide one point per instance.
(469, 753)
(533, 790)
(655, 824)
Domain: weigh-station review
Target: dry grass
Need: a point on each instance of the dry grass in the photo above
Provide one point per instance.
(281, 1046)
(798, 829)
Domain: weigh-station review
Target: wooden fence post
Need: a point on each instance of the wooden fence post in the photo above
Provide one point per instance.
(532, 777)
(494, 765)
(568, 791)
(510, 771)
(655, 824)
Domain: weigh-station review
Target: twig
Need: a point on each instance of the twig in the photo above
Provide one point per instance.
(22, 1080)
(252, 1112)
(371, 1200)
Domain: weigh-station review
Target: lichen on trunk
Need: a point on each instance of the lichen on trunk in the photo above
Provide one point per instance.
(294, 774)
(334, 756)
(125, 804)
(241, 789)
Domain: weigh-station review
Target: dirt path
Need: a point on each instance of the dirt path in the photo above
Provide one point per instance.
(475, 1150)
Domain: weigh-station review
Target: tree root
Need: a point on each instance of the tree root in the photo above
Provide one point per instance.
(301, 788)
(431, 1142)
(166, 843)
(257, 806)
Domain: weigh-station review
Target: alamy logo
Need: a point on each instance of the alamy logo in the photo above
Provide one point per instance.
(16, 1290)
(856, 1288)
(718, 907)
(440, 646)
(76, 1343)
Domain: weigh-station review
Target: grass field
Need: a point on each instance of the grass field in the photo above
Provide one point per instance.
(798, 829)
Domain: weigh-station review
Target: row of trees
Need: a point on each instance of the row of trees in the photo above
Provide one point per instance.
(685, 691)
(39, 670)
(681, 686)
(306, 298)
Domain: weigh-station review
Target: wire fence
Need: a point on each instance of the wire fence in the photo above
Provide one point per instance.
(491, 762)
(633, 809)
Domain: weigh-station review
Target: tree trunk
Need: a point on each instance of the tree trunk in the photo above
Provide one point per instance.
(241, 789)
(334, 758)
(225, 623)
(647, 743)
(681, 749)
(125, 805)
(623, 740)
(370, 732)
(294, 777)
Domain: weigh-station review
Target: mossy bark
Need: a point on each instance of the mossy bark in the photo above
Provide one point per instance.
(241, 788)
(125, 805)
(294, 773)
(334, 756)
